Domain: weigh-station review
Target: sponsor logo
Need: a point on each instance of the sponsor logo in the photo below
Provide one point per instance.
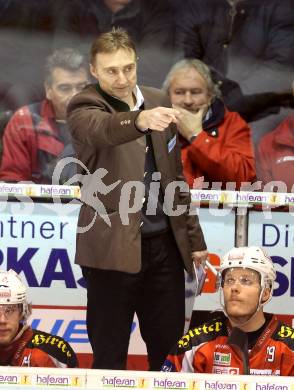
(255, 371)
(58, 190)
(206, 196)
(286, 332)
(169, 383)
(204, 329)
(5, 294)
(143, 383)
(52, 340)
(271, 386)
(225, 370)
(264, 336)
(250, 197)
(122, 382)
(168, 366)
(289, 199)
(217, 385)
(193, 385)
(26, 380)
(57, 380)
(10, 379)
(236, 256)
(233, 371)
(222, 346)
(223, 359)
(12, 189)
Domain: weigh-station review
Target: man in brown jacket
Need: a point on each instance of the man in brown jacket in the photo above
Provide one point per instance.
(135, 234)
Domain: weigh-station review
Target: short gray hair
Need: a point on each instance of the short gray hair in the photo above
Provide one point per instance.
(200, 67)
(65, 58)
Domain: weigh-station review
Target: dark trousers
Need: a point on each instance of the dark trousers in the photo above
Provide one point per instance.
(156, 294)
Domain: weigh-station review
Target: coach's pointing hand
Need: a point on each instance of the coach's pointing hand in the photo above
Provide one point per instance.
(156, 119)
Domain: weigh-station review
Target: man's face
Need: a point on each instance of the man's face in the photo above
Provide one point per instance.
(241, 288)
(116, 73)
(189, 90)
(65, 84)
(10, 316)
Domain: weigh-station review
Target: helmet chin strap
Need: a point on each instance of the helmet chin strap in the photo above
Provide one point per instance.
(25, 312)
(259, 306)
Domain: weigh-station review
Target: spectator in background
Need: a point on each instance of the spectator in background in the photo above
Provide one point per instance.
(20, 345)
(244, 340)
(37, 136)
(275, 156)
(249, 44)
(149, 23)
(216, 142)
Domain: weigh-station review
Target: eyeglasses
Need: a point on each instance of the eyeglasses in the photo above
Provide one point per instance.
(244, 280)
(8, 310)
(69, 88)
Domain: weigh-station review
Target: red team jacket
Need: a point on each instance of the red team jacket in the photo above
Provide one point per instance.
(38, 349)
(30, 141)
(276, 154)
(205, 350)
(222, 152)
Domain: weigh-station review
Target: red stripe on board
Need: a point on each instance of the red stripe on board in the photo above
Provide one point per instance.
(134, 362)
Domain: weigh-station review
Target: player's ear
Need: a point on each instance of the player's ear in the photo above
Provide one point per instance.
(265, 295)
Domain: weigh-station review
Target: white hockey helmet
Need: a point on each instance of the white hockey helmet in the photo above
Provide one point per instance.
(254, 258)
(13, 291)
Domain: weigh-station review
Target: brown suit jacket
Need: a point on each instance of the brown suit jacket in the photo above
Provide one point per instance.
(105, 136)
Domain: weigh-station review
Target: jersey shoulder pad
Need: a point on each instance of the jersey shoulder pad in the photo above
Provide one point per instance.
(285, 334)
(204, 333)
(54, 346)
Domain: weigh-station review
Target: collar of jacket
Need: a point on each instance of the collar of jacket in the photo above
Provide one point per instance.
(47, 110)
(43, 117)
(117, 104)
(211, 124)
(284, 134)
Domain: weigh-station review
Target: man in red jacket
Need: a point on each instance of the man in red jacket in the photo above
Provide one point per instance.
(275, 156)
(216, 142)
(20, 345)
(37, 136)
(243, 339)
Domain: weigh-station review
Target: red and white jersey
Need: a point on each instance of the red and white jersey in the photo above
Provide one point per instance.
(34, 348)
(205, 349)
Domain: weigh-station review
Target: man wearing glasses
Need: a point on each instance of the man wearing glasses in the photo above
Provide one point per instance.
(243, 340)
(37, 136)
(20, 345)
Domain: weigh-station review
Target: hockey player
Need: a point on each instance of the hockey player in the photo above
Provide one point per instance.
(20, 345)
(243, 339)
